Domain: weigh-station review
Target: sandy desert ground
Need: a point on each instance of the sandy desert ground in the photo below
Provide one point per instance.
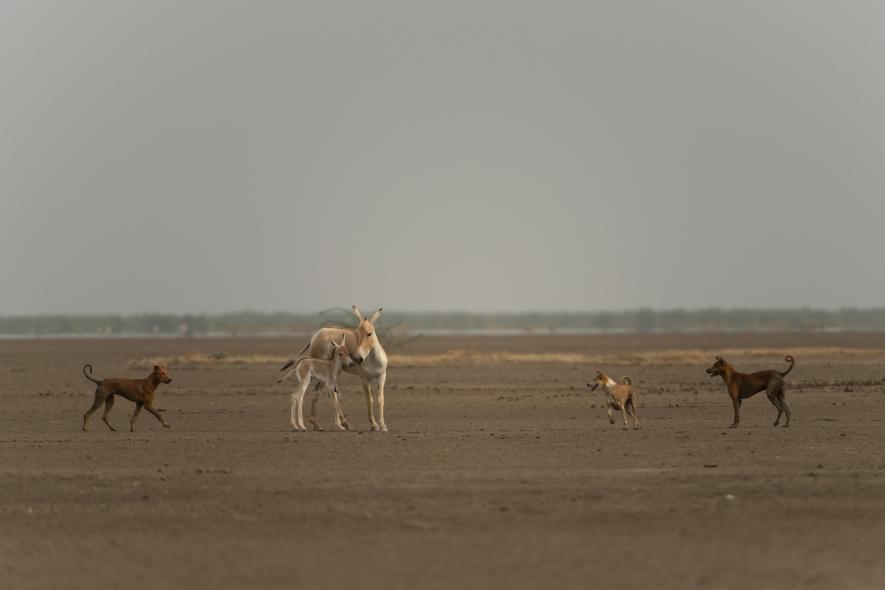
(500, 469)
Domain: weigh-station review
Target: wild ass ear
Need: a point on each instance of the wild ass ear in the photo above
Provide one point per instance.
(356, 312)
(342, 341)
(376, 315)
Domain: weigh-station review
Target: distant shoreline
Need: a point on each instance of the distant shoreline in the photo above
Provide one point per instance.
(405, 324)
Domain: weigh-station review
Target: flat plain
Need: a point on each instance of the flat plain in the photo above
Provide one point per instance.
(500, 469)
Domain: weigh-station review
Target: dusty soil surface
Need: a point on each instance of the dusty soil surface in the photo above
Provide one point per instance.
(493, 475)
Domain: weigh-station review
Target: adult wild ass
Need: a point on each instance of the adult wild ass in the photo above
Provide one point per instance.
(364, 347)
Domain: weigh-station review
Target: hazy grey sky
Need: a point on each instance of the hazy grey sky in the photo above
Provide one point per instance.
(213, 156)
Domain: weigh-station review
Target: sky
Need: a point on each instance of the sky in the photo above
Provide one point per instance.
(210, 156)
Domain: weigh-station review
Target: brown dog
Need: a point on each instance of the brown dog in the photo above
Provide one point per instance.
(140, 391)
(743, 385)
(621, 396)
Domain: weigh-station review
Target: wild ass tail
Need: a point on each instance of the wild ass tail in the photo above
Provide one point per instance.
(294, 359)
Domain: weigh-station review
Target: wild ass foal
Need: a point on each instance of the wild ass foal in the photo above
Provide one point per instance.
(323, 372)
(371, 361)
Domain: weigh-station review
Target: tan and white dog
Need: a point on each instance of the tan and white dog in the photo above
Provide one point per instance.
(621, 396)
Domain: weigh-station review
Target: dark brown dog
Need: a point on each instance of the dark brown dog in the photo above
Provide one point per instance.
(743, 385)
(140, 391)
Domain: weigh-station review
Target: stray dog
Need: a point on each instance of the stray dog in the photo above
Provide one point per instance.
(743, 385)
(140, 391)
(324, 372)
(621, 396)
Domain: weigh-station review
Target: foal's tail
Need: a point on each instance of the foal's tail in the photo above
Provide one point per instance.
(790, 360)
(87, 375)
(294, 359)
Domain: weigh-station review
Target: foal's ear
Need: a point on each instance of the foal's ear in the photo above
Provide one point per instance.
(376, 315)
(356, 312)
(342, 341)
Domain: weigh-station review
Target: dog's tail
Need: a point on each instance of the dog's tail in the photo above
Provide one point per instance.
(87, 375)
(294, 359)
(626, 380)
(790, 360)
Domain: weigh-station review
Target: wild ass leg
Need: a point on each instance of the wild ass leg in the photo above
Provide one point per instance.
(381, 381)
(295, 411)
(368, 392)
(336, 406)
(313, 407)
(301, 407)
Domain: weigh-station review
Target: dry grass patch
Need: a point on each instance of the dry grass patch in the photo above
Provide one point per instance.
(198, 360)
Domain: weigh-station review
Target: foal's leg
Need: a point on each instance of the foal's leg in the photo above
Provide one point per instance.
(301, 393)
(293, 404)
(313, 407)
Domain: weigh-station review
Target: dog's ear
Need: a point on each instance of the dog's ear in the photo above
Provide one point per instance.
(157, 368)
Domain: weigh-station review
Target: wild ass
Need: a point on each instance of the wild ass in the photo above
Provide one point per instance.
(364, 347)
(324, 372)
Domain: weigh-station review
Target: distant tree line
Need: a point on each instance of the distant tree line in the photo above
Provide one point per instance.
(637, 320)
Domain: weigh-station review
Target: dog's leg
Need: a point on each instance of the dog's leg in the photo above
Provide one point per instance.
(736, 401)
(624, 413)
(156, 414)
(95, 405)
(775, 392)
(783, 400)
(134, 416)
(772, 397)
(632, 408)
(108, 404)
(368, 390)
(611, 416)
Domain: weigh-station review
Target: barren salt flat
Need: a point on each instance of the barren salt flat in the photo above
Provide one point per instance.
(500, 469)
